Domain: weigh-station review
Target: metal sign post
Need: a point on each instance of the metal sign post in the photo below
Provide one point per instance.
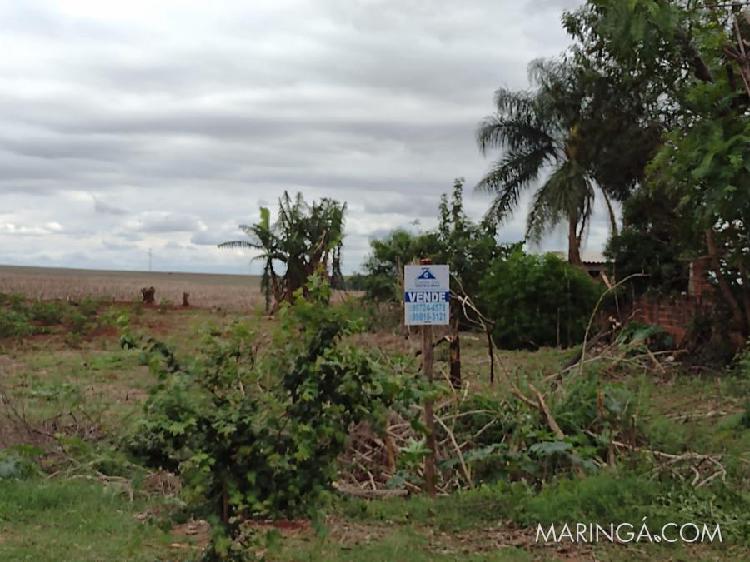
(426, 304)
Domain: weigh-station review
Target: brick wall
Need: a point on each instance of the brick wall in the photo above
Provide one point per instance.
(699, 285)
(674, 314)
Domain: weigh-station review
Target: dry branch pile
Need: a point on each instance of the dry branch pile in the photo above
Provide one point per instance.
(377, 464)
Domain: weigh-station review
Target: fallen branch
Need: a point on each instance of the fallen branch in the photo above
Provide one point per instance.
(551, 422)
(596, 308)
(452, 437)
(369, 494)
(540, 405)
(673, 459)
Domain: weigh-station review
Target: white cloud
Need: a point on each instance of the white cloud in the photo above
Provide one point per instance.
(176, 117)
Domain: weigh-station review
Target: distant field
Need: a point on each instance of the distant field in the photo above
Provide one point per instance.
(206, 290)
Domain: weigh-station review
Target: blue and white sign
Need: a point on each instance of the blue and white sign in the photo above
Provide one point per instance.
(426, 295)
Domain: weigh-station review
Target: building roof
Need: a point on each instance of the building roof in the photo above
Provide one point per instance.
(586, 256)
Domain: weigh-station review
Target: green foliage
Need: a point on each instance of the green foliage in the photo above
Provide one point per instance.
(305, 239)
(14, 324)
(656, 241)
(19, 318)
(389, 255)
(47, 313)
(468, 249)
(644, 336)
(684, 59)
(537, 301)
(608, 496)
(604, 497)
(258, 435)
(19, 462)
(89, 307)
(76, 321)
(578, 126)
(505, 441)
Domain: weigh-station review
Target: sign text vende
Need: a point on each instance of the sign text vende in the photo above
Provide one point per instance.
(426, 296)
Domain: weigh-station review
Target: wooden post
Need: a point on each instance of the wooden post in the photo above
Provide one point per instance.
(429, 416)
(400, 270)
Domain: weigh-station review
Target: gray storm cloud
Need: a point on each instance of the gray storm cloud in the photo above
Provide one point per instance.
(161, 124)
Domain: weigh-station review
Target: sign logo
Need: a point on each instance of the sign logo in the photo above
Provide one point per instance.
(426, 274)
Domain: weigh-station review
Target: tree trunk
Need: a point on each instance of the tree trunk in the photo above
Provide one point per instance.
(612, 217)
(455, 350)
(738, 318)
(574, 253)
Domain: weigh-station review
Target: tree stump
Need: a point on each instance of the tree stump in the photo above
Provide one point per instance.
(148, 295)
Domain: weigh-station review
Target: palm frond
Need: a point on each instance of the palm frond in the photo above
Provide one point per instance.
(547, 208)
(513, 103)
(498, 131)
(237, 244)
(567, 192)
(514, 172)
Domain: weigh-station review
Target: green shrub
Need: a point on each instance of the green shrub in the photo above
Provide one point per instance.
(14, 324)
(18, 463)
(537, 300)
(89, 306)
(259, 435)
(641, 335)
(48, 313)
(76, 321)
(13, 300)
(745, 419)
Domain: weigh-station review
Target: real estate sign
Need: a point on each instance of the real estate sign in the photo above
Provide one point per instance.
(426, 295)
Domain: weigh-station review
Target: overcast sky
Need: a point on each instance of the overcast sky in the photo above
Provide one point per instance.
(163, 124)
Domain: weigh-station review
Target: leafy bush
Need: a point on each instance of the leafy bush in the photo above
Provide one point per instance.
(47, 313)
(76, 321)
(398, 248)
(537, 300)
(89, 306)
(18, 463)
(745, 419)
(18, 318)
(635, 251)
(258, 435)
(14, 324)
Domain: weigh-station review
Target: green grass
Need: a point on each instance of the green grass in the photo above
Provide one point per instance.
(74, 520)
(398, 545)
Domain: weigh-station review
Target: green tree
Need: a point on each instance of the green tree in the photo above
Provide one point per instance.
(537, 300)
(656, 240)
(535, 138)
(304, 239)
(468, 249)
(694, 55)
(388, 256)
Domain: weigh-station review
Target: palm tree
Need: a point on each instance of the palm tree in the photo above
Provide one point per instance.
(537, 134)
(303, 240)
(261, 237)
